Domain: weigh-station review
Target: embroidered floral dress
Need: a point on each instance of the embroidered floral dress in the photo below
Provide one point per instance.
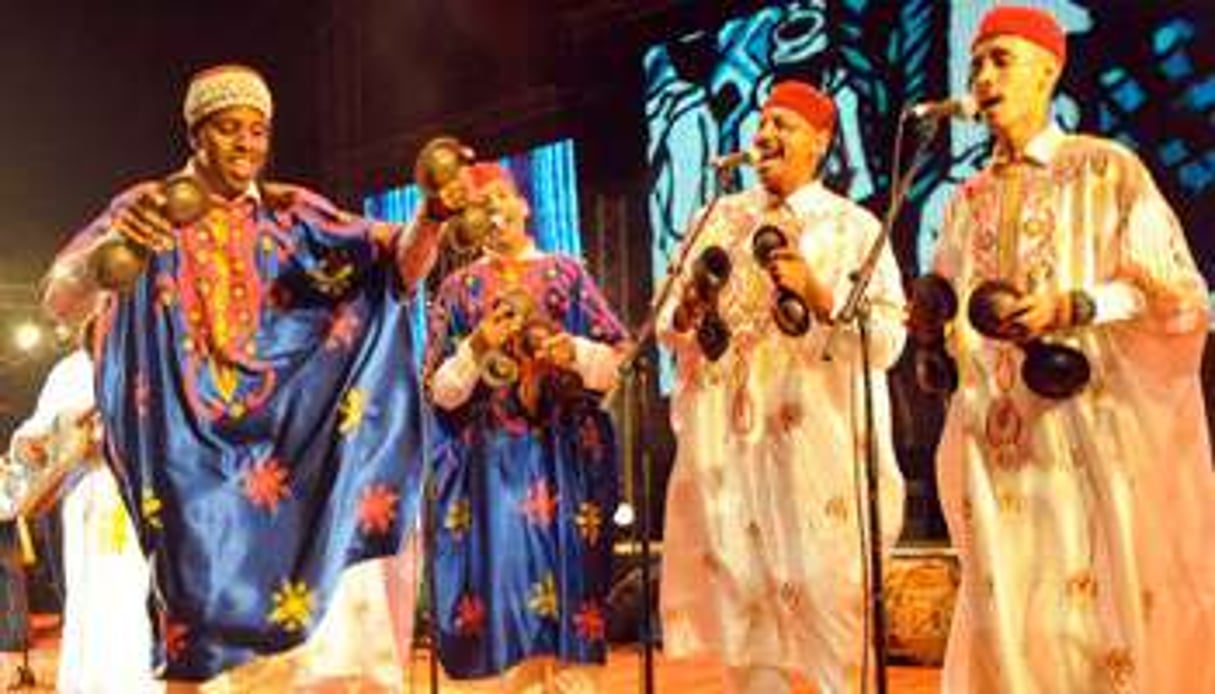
(1083, 524)
(260, 415)
(527, 484)
(762, 554)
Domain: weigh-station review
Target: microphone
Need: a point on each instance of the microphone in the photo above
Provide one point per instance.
(733, 160)
(963, 107)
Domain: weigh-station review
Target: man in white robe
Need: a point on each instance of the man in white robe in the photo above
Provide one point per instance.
(764, 550)
(1083, 523)
(106, 641)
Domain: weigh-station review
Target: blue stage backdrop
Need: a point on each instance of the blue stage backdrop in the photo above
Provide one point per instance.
(546, 175)
(1138, 73)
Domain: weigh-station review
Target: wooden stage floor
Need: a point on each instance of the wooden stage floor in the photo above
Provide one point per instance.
(623, 675)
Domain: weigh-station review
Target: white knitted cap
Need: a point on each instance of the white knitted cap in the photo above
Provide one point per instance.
(224, 86)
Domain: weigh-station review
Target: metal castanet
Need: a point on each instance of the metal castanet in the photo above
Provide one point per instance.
(117, 262)
(467, 231)
(698, 308)
(467, 223)
(519, 359)
(789, 311)
(933, 306)
(186, 199)
(440, 162)
(1051, 370)
(500, 366)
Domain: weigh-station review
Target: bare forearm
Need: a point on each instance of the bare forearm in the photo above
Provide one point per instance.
(70, 293)
(417, 249)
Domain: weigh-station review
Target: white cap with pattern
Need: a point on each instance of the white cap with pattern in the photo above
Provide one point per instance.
(224, 86)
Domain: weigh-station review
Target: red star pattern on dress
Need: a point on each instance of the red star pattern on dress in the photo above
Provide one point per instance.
(540, 506)
(175, 636)
(342, 328)
(590, 623)
(592, 440)
(143, 394)
(280, 297)
(470, 615)
(266, 483)
(377, 509)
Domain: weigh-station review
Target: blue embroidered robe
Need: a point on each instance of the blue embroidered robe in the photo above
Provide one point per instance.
(525, 493)
(263, 418)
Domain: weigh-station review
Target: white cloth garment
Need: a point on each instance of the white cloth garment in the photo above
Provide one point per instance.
(107, 641)
(763, 553)
(361, 644)
(1083, 525)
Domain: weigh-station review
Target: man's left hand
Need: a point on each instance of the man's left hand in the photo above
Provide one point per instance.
(790, 270)
(558, 350)
(1036, 315)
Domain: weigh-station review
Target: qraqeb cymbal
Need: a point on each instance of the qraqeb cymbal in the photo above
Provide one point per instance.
(186, 200)
(1050, 370)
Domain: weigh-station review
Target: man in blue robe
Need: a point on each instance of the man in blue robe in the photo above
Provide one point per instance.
(254, 380)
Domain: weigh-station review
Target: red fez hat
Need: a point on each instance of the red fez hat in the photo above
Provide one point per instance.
(814, 106)
(1030, 23)
(484, 173)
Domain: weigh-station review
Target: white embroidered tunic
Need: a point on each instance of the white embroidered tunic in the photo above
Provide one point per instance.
(1083, 525)
(763, 558)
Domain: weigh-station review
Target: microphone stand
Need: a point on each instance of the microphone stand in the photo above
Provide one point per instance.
(634, 370)
(430, 502)
(443, 266)
(23, 674)
(855, 309)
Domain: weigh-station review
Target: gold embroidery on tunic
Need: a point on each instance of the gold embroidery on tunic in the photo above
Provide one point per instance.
(1010, 503)
(836, 509)
(1082, 588)
(1119, 667)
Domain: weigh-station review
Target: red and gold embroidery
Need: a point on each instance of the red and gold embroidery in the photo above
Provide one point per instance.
(219, 294)
(1119, 668)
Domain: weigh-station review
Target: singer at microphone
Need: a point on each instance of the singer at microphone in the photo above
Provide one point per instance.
(963, 107)
(774, 405)
(733, 160)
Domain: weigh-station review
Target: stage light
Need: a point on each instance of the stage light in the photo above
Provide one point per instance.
(624, 515)
(27, 336)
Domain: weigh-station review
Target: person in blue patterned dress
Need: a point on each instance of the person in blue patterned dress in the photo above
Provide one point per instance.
(260, 413)
(521, 342)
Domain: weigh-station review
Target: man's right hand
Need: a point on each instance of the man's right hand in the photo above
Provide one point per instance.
(453, 196)
(502, 323)
(143, 222)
